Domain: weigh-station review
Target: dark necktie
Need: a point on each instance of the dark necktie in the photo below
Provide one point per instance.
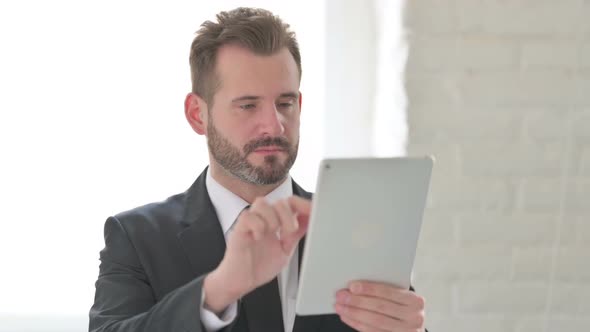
(262, 308)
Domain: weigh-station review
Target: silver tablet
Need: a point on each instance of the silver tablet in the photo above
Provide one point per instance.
(365, 222)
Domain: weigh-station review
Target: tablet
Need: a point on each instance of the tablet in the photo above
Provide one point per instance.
(365, 223)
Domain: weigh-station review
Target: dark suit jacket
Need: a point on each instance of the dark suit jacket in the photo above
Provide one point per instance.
(154, 262)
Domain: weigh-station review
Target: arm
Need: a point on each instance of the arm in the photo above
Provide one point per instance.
(124, 300)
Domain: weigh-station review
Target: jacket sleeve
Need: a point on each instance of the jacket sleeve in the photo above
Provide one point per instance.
(124, 300)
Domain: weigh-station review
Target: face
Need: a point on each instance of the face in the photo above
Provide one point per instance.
(253, 126)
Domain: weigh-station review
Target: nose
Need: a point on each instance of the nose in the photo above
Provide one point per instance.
(271, 122)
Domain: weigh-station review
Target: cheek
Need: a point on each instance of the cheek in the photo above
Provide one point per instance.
(292, 128)
(240, 137)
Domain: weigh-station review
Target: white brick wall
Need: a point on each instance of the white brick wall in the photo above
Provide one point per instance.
(499, 92)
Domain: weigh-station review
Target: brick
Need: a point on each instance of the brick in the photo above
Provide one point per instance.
(546, 126)
(450, 264)
(572, 265)
(553, 323)
(541, 195)
(431, 16)
(566, 299)
(450, 126)
(496, 267)
(575, 231)
(428, 266)
(427, 52)
(583, 89)
(433, 53)
(418, 132)
(512, 230)
(516, 159)
(580, 159)
(584, 309)
(468, 323)
(432, 88)
(549, 55)
(581, 125)
(485, 53)
(446, 156)
(471, 194)
(501, 297)
(583, 231)
(470, 15)
(438, 230)
(437, 295)
(531, 323)
(585, 12)
(585, 55)
(568, 324)
(576, 196)
(547, 88)
(520, 18)
(531, 264)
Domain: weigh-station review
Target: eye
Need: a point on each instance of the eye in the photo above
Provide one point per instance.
(247, 107)
(285, 106)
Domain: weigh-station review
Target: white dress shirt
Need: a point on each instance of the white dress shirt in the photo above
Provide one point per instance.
(228, 206)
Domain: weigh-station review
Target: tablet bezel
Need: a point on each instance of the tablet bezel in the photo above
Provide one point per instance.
(339, 184)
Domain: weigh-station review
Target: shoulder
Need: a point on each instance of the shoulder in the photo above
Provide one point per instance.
(142, 227)
(150, 220)
(170, 209)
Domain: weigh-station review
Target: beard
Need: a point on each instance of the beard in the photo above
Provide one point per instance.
(235, 162)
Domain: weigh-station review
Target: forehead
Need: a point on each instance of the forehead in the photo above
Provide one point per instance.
(242, 71)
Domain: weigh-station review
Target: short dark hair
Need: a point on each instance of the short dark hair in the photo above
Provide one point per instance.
(256, 29)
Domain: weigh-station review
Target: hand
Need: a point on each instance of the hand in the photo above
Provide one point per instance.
(372, 306)
(259, 247)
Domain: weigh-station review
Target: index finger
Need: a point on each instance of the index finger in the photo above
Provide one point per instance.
(387, 291)
(299, 205)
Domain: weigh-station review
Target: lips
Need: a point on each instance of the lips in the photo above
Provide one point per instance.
(269, 149)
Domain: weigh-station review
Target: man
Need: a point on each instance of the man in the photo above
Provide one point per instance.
(225, 254)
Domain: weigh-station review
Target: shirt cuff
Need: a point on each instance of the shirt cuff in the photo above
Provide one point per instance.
(212, 322)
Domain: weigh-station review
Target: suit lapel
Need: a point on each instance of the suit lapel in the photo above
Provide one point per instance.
(202, 239)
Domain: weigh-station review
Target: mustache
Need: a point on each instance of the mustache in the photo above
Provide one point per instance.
(281, 142)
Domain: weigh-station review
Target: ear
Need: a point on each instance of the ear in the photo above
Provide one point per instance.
(195, 111)
(300, 100)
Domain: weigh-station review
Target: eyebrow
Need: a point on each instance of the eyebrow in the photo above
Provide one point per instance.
(294, 95)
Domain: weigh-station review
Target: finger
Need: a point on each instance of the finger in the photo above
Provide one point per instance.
(358, 325)
(408, 317)
(388, 292)
(266, 212)
(286, 217)
(370, 318)
(289, 241)
(300, 206)
(251, 223)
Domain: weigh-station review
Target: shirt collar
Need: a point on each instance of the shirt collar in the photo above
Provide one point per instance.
(229, 205)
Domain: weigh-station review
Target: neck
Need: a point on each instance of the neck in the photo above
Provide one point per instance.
(247, 191)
